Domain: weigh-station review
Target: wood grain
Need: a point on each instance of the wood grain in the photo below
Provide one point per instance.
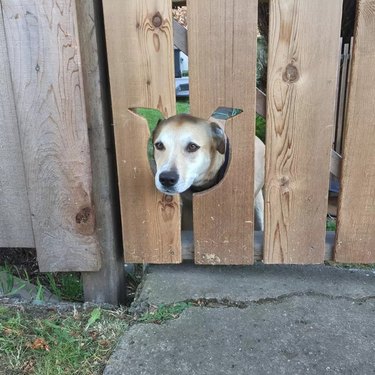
(140, 56)
(222, 57)
(108, 284)
(188, 245)
(44, 57)
(356, 212)
(15, 218)
(302, 71)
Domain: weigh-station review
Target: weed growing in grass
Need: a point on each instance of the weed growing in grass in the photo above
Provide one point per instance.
(163, 313)
(7, 282)
(65, 285)
(69, 285)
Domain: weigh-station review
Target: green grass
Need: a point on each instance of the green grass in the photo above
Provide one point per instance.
(8, 285)
(331, 224)
(163, 313)
(41, 341)
(260, 128)
(65, 285)
(183, 106)
(151, 115)
(51, 342)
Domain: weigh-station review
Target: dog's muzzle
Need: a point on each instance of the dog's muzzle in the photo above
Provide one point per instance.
(168, 179)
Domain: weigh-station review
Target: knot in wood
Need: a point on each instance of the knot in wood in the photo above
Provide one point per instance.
(284, 181)
(168, 198)
(157, 20)
(291, 74)
(83, 215)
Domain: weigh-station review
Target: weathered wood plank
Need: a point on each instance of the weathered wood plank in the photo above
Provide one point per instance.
(222, 73)
(188, 245)
(356, 213)
(140, 56)
(45, 68)
(108, 284)
(15, 217)
(300, 119)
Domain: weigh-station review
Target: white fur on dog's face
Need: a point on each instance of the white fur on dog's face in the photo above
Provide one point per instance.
(189, 147)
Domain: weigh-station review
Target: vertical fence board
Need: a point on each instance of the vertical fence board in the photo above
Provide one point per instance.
(108, 284)
(222, 59)
(302, 69)
(356, 217)
(15, 218)
(140, 56)
(45, 68)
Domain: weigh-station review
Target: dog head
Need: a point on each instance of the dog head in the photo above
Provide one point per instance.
(188, 151)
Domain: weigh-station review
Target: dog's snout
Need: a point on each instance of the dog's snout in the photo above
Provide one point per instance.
(168, 179)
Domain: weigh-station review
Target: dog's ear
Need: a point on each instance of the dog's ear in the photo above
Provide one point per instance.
(218, 136)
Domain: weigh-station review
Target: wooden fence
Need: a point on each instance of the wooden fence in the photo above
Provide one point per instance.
(56, 195)
(57, 171)
(303, 73)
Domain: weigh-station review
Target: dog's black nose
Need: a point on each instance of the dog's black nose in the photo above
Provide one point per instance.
(168, 179)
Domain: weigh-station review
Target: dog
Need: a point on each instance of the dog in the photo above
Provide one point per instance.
(191, 155)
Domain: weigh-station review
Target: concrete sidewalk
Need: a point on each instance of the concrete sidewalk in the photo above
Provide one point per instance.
(253, 320)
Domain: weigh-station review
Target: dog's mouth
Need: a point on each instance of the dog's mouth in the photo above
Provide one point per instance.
(173, 190)
(169, 191)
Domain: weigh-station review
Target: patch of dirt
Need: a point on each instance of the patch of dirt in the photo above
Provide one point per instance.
(23, 260)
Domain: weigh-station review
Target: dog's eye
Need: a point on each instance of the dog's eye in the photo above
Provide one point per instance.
(192, 147)
(159, 146)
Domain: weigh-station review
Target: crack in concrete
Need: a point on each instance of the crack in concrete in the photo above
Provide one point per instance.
(141, 307)
(226, 302)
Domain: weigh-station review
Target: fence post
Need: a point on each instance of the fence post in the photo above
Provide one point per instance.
(108, 284)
